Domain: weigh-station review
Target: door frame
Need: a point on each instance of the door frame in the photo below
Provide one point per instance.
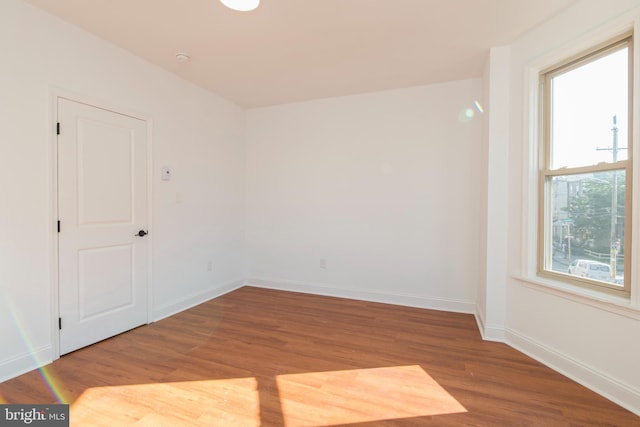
(54, 257)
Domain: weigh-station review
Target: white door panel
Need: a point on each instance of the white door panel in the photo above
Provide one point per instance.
(102, 202)
(105, 280)
(104, 195)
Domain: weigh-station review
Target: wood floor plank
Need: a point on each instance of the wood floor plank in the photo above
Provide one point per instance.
(258, 357)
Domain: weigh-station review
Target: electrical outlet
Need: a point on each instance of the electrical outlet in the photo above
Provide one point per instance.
(323, 263)
(210, 266)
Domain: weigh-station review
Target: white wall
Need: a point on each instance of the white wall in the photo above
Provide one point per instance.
(491, 301)
(385, 187)
(596, 343)
(481, 291)
(195, 132)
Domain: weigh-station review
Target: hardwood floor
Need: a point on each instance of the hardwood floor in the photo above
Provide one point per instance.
(258, 357)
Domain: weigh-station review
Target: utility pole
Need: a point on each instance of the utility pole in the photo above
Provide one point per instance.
(614, 203)
(615, 246)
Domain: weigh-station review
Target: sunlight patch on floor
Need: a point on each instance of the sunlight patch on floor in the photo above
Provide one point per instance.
(227, 402)
(362, 395)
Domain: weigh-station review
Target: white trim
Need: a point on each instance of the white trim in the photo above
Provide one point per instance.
(52, 220)
(530, 154)
(150, 169)
(611, 388)
(635, 191)
(196, 299)
(530, 125)
(591, 298)
(480, 322)
(55, 94)
(489, 332)
(25, 362)
(58, 92)
(430, 303)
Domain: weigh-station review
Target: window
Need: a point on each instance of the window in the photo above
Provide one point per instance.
(585, 173)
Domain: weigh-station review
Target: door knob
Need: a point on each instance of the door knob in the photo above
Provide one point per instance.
(141, 233)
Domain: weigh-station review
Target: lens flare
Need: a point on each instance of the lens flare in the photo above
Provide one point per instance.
(47, 372)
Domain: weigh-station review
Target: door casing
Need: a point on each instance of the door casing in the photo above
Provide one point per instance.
(55, 95)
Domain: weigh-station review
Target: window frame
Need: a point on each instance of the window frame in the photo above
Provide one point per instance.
(546, 173)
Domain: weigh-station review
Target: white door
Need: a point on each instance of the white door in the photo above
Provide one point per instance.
(102, 205)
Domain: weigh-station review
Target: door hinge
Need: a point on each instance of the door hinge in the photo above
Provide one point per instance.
(58, 226)
(58, 128)
(60, 323)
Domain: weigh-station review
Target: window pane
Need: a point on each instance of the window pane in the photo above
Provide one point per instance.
(584, 102)
(588, 219)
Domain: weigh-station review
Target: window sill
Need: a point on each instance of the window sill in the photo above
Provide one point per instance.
(611, 303)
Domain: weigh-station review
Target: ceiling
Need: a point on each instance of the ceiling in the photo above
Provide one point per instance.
(295, 50)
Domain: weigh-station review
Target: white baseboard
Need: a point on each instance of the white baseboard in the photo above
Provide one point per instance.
(489, 332)
(614, 390)
(25, 362)
(431, 303)
(195, 299)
